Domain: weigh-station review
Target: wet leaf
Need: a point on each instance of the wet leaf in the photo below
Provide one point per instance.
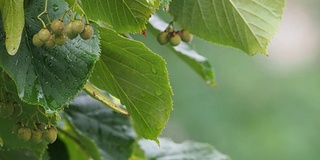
(49, 77)
(139, 78)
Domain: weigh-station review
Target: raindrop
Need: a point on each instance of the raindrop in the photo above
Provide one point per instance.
(158, 92)
(154, 70)
(75, 82)
(55, 9)
(159, 126)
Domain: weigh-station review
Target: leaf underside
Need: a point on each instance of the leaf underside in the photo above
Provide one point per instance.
(244, 24)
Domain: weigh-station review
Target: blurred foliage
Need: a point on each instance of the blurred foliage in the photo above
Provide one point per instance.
(258, 111)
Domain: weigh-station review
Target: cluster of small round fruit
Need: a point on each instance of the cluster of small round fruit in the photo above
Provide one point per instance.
(12, 110)
(173, 37)
(39, 132)
(59, 33)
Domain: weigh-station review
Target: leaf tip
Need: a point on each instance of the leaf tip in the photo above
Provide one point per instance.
(12, 50)
(266, 53)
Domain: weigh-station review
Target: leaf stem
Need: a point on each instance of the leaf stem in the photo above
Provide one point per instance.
(97, 94)
(44, 12)
(84, 14)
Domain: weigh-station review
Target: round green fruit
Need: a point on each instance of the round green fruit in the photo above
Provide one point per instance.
(50, 43)
(163, 38)
(41, 126)
(60, 39)
(50, 134)
(185, 36)
(57, 26)
(87, 33)
(175, 39)
(16, 127)
(44, 34)
(77, 26)
(36, 40)
(36, 136)
(69, 31)
(24, 133)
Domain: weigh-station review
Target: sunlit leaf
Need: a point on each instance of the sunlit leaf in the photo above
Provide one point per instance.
(138, 77)
(13, 22)
(124, 16)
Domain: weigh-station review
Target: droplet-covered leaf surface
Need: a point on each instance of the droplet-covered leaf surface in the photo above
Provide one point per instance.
(244, 24)
(138, 77)
(49, 77)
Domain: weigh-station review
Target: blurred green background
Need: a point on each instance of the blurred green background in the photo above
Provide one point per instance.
(264, 107)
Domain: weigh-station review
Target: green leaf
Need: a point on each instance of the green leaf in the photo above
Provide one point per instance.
(111, 131)
(17, 154)
(186, 150)
(124, 16)
(79, 147)
(139, 78)
(13, 22)
(49, 77)
(197, 62)
(164, 3)
(244, 24)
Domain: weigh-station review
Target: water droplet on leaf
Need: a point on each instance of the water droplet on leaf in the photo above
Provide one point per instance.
(158, 92)
(154, 70)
